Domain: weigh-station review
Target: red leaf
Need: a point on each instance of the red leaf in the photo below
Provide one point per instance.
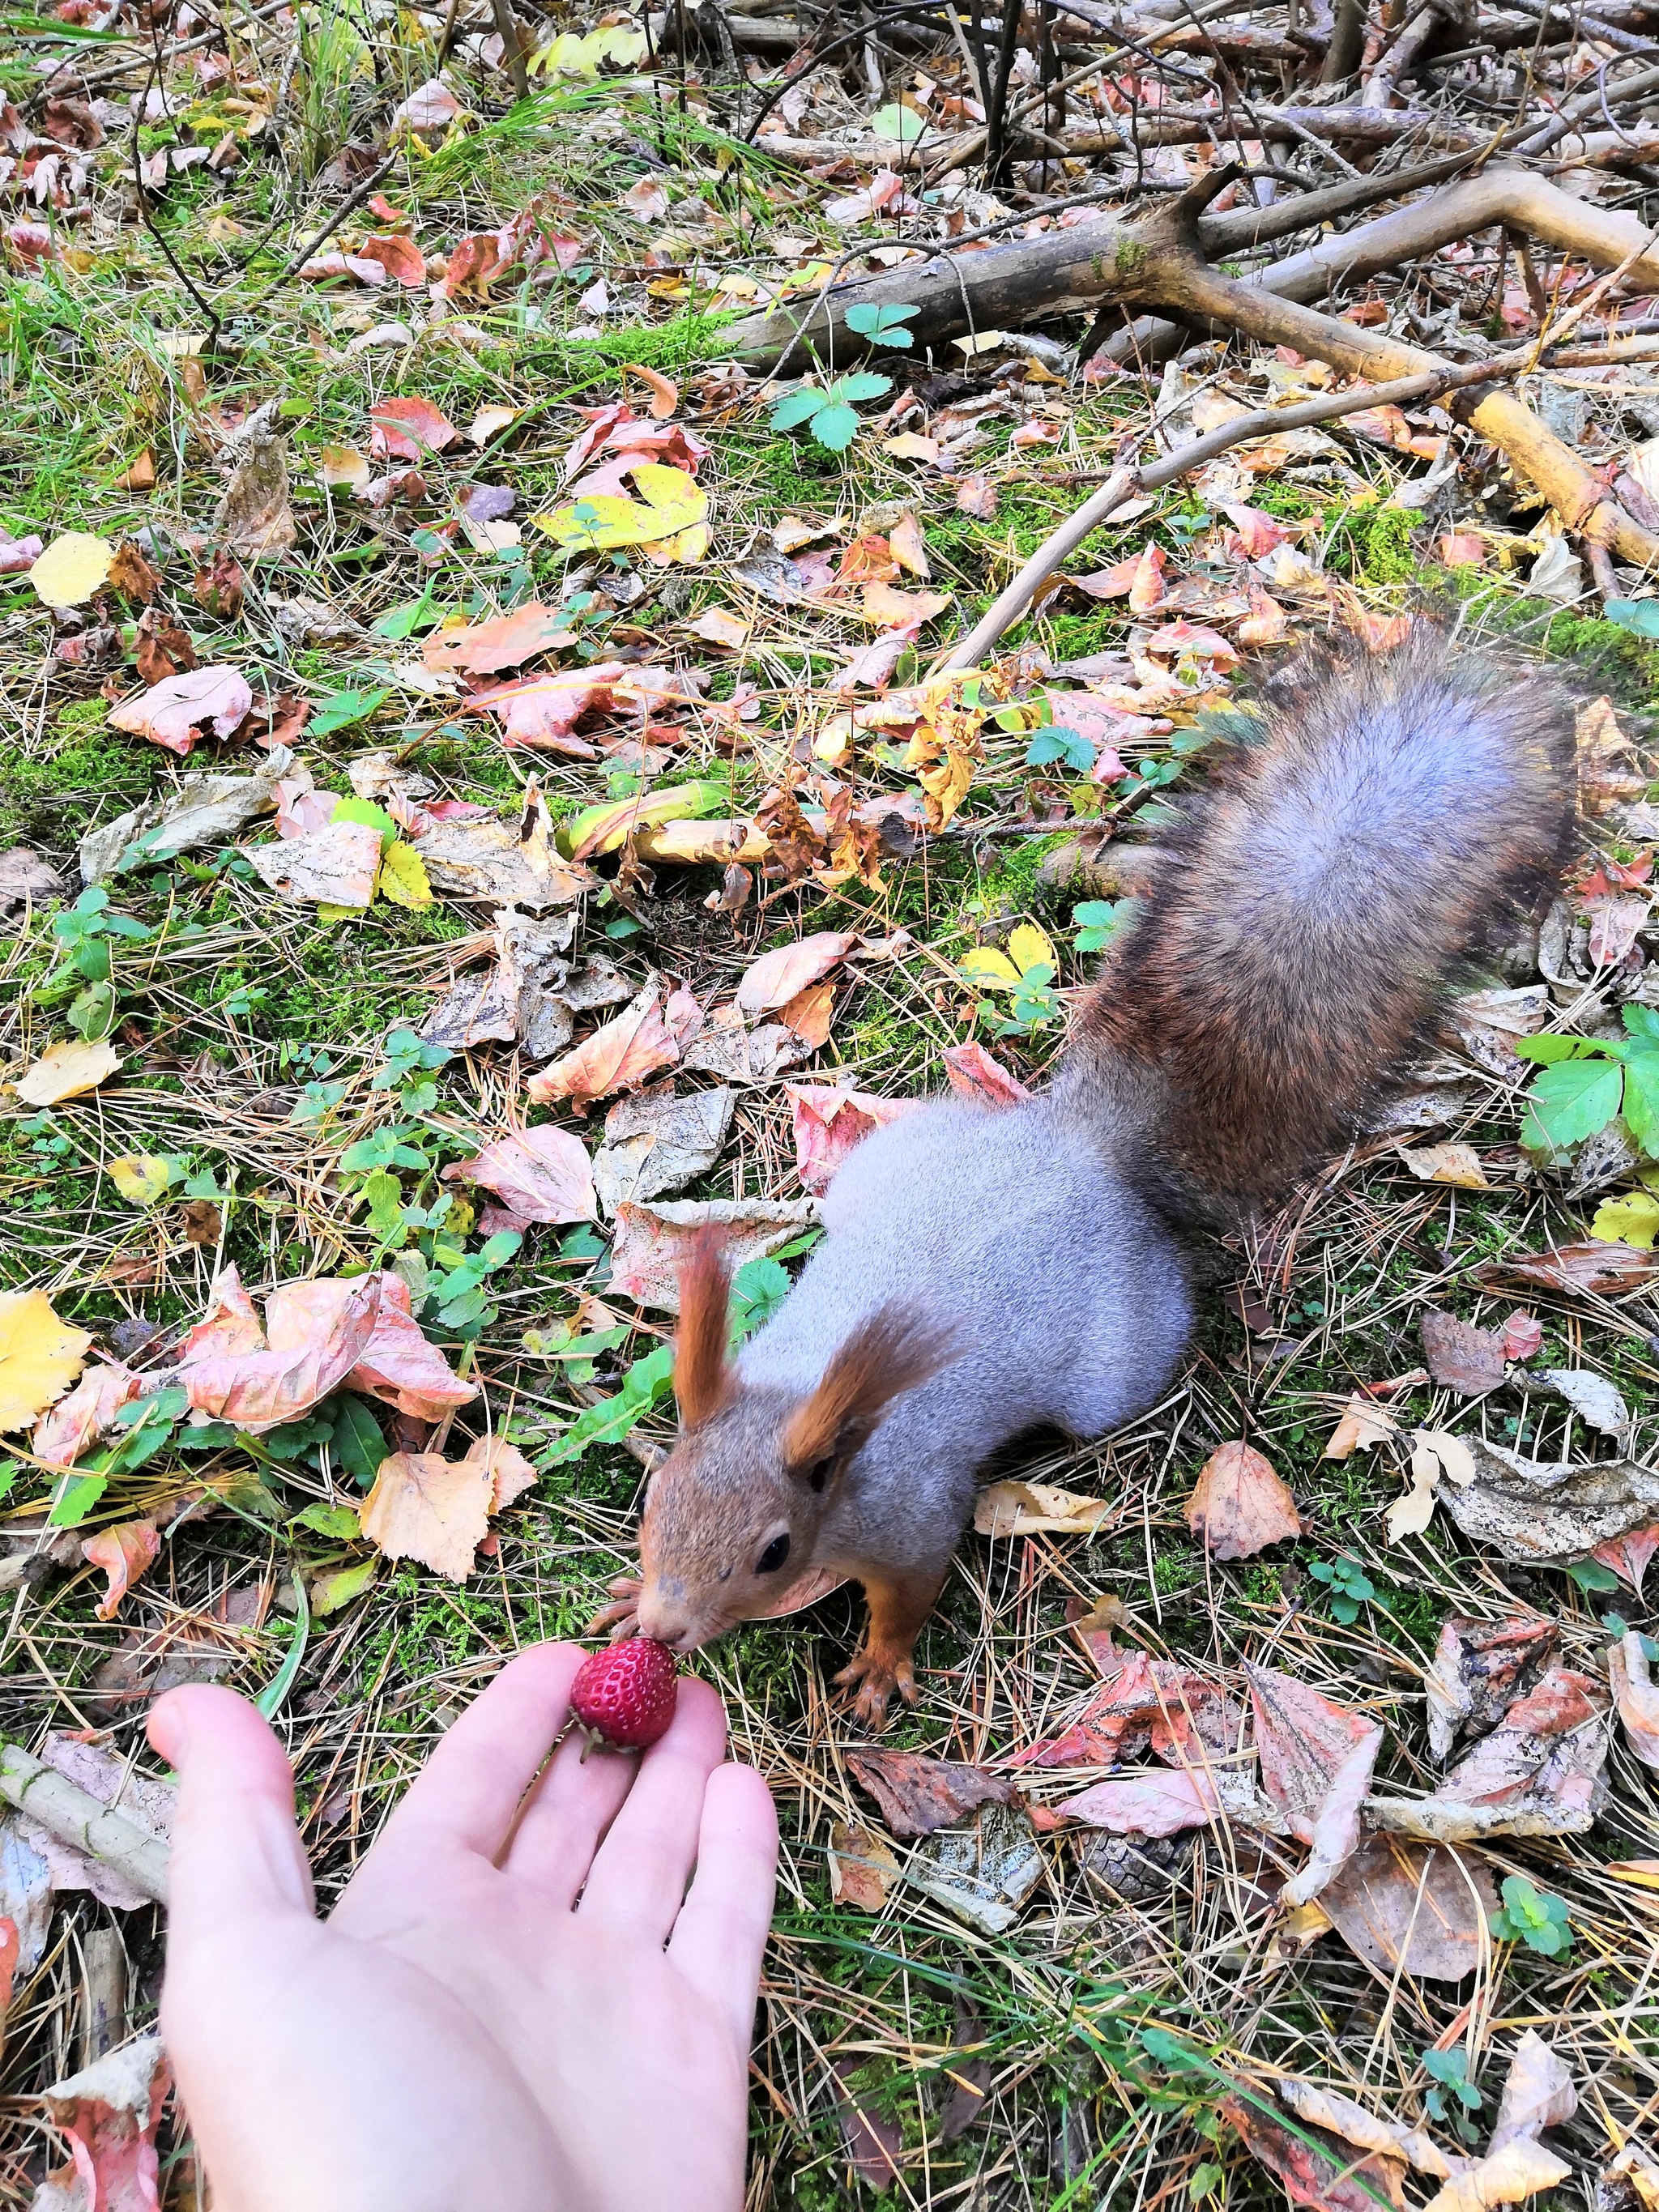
(108, 2114)
(540, 1175)
(979, 1075)
(829, 1122)
(399, 256)
(408, 430)
(123, 1553)
(503, 642)
(918, 1796)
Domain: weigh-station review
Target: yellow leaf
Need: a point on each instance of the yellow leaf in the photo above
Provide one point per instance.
(1029, 948)
(670, 502)
(327, 913)
(1630, 1220)
(403, 877)
(66, 1070)
(990, 970)
(1026, 1509)
(39, 1357)
(141, 1179)
(71, 568)
(1363, 1425)
(1457, 1164)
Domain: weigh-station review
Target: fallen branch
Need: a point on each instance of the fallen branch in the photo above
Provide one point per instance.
(78, 1819)
(1127, 484)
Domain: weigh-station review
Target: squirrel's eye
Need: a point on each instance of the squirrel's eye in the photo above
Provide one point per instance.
(773, 1557)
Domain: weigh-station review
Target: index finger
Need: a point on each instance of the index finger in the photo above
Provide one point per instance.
(469, 1791)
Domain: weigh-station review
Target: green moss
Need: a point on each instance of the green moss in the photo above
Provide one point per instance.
(1373, 543)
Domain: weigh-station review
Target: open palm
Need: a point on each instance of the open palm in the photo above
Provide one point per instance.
(516, 2002)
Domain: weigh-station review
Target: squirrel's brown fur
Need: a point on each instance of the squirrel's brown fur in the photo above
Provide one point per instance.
(987, 1271)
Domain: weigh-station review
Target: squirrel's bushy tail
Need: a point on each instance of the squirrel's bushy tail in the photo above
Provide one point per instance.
(1314, 901)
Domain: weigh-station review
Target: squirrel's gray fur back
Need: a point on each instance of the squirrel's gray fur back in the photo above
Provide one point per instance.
(1316, 899)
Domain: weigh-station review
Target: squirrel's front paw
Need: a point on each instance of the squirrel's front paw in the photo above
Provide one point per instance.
(622, 1619)
(870, 1681)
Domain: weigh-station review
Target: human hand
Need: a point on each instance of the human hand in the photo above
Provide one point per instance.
(515, 2009)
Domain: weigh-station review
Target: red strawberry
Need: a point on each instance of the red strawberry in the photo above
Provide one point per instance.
(625, 1694)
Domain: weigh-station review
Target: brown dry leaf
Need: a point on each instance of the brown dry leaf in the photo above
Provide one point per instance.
(1635, 1695)
(1538, 1774)
(1422, 1907)
(336, 865)
(873, 2143)
(1154, 1802)
(1240, 1505)
(1520, 2170)
(67, 1070)
(1317, 1760)
(1460, 1357)
(428, 1508)
(1363, 1425)
(618, 1057)
(254, 520)
(1144, 1703)
(651, 1242)
(1607, 767)
(904, 542)
(177, 711)
(1029, 1509)
(1325, 2176)
(1341, 2116)
(1457, 1164)
(123, 1553)
(779, 976)
(1544, 1511)
(1538, 2093)
(719, 626)
(1480, 1667)
(917, 1795)
(863, 1866)
(540, 1175)
(1593, 1266)
(829, 1122)
(503, 642)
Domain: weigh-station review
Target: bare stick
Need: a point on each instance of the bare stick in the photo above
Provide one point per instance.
(78, 1819)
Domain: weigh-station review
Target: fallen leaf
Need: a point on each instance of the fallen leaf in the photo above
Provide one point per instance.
(830, 1122)
(1480, 1669)
(982, 1872)
(108, 2114)
(39, 1357)
(540, 1175)
(1420, 1908)
(1630, 1556)
(76, 1420)
(1520, 2170)
(1155, 1802)
(1593, 1267)
(1031, 1509)
(428, 1508)
(1240, 1505)
(1457, 1164)
(1363, 1425)
(863, 1868)
(123, 1553)
(655, 1143)
(1538, 1774)
(1341, 2116)
(1591, 1396)
(1144, 1703)
(1317, 1759)
(338, 865)
(503, 641)
(1635, 1696)
(1323, 2175)
(873, 2143)
(1538, 2093)
(177, 711)
(1460, 1357)
(26, 876)
(670, 503)
(719, 626)
(904, 542)
(488, 421)
(1542, 1511)
(254, 519)
(1520, 1336)
(779, 976)
(66, 1070)
(918, 1795)
(403, 877)
(490, 862)
(976, 1074)
(651, 1242)
(399, 1366)
(618, 1057)
(409, 430)
(72, 567)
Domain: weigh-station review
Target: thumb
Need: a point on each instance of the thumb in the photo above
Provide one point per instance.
(236, 1852)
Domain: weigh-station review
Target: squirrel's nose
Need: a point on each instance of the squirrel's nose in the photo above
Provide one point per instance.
(663, 1616)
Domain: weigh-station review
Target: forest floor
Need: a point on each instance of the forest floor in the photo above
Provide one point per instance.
(234, 1076)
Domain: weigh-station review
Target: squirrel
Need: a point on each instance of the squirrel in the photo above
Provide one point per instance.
(989, 1270)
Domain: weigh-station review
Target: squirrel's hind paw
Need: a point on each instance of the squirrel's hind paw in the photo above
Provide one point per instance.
(622, 1619)
(870, 1682)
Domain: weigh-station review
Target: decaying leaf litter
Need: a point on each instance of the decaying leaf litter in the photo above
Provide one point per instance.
(478, 802)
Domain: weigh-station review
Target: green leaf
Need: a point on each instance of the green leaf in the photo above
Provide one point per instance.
(1549, 1049)
(1573, 1100)
(1643, 1024)
(269, 1699)
(1591, 1575)
(1640, 615)
(364, 810)
(758, 1289)
(796, 408)
(1538, 1920)
(647, 1380)
(905, 125)
(1055, 742)
(331, 1593)
(836, 426)
(385, 1195)
(92, 1015)
(80, 1494)
(341, 709)
(863, 384)
(1641, 1107)
(358, 1446)
(338, 1520)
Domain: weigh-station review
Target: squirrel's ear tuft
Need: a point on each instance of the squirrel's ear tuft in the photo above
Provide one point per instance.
(891, 1353)
(702, 1377)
